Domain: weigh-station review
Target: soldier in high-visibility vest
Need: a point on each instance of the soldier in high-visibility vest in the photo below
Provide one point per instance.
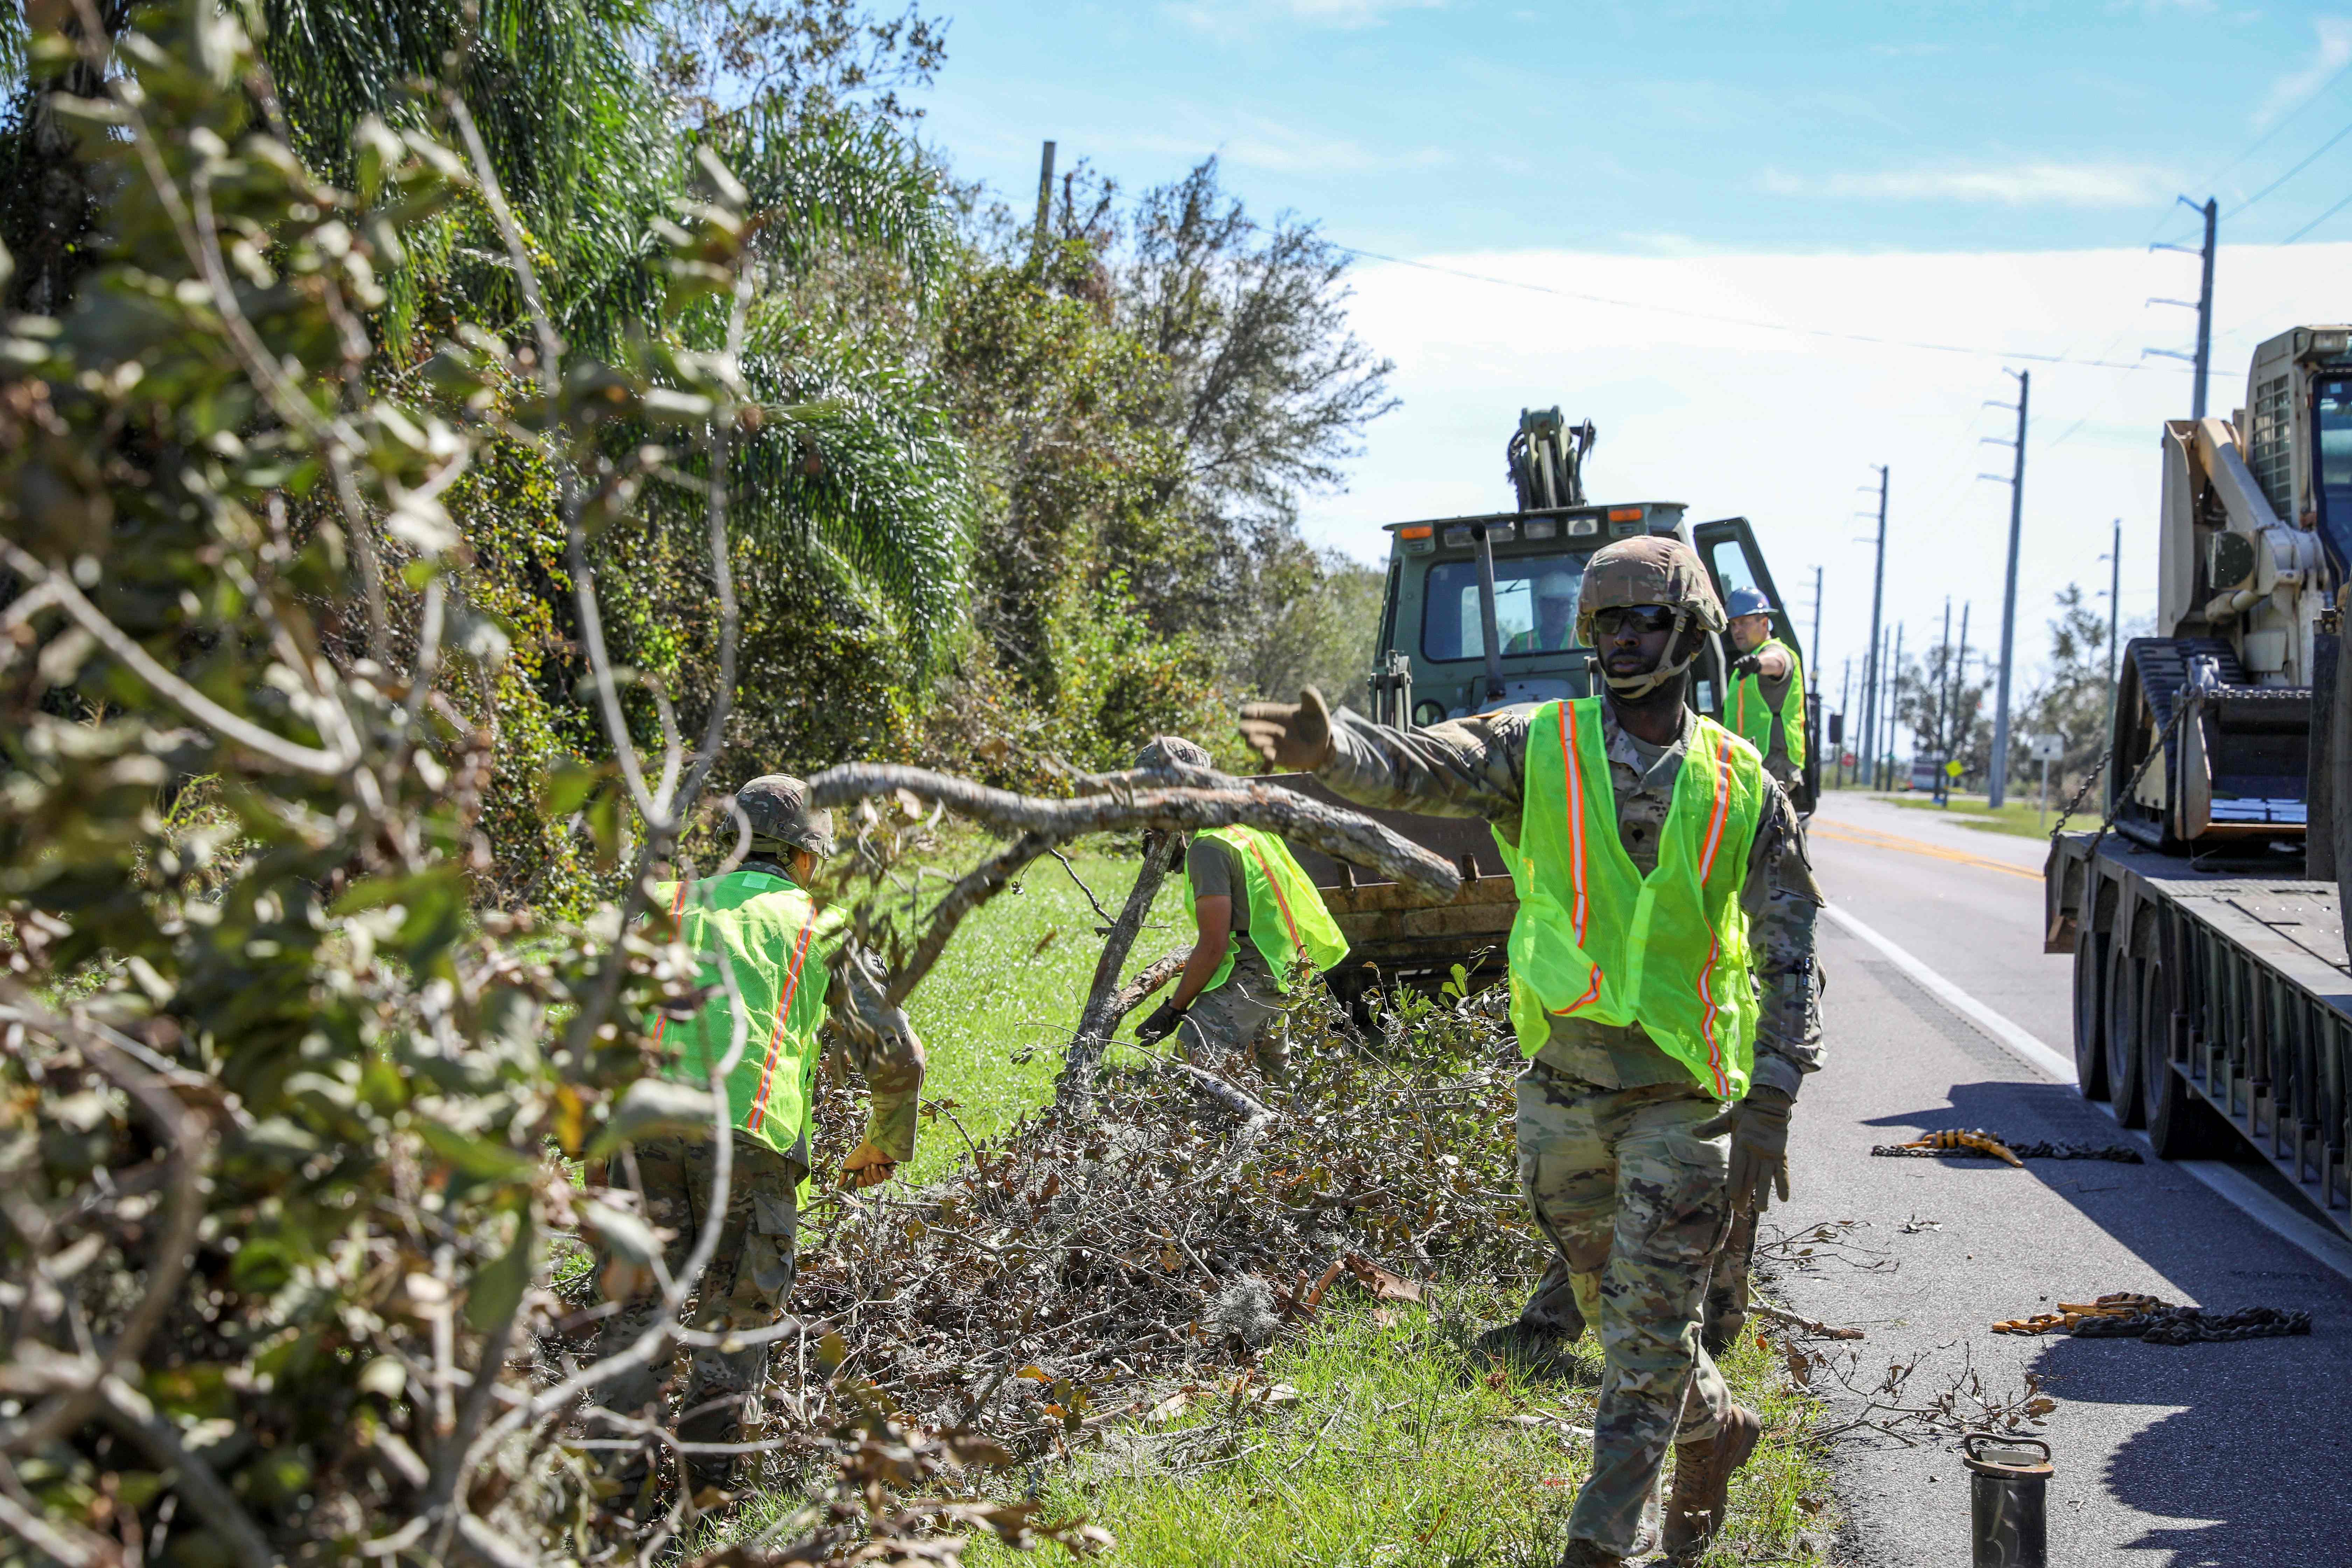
(1258, 925)
(1767, 688)
(789, 1001)
(1662, 988)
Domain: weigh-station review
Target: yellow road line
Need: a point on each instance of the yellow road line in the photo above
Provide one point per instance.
(1870, 838)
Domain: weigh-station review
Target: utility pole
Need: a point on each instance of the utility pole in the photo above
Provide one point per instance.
(1960, 675)
(1814, 653)
(1944, 709)
(1894, 702)
(1877, 599)
(1846, 715)
(2203, 358)
(1044, 203)
(2114, 613)
(1997, 777)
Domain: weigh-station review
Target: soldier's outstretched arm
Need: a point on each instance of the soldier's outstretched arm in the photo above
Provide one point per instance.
(1782, 901)
(1463, 767)
(879, 1045)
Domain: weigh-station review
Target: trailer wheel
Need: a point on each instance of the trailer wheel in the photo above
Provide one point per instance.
(2124, 986)
(2179, 1125)
(2090, 996)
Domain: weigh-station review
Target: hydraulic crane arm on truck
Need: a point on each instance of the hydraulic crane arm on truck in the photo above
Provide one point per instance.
(1473, 622)
(2213, 981)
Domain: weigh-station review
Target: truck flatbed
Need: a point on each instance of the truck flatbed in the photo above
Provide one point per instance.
(2212, 1004)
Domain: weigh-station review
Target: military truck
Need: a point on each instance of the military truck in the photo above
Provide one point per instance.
(2212, 991)
(1480, 615)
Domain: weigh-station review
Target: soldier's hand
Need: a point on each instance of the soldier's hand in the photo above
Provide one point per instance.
(1160, 1025)
(866, 1166)
(1760, 1149)
(1293, 736)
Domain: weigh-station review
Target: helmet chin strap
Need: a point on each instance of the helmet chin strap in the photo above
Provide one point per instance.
(1634, 688)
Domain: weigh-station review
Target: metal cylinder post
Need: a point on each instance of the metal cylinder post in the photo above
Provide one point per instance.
(2009, 1484)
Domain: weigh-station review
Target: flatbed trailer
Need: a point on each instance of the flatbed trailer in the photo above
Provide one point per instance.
(2212, 1004)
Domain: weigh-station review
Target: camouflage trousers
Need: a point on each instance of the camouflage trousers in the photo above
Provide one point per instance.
(1553, 1307)
(1242, 1015)
(745, 1287)
(1634, 1199)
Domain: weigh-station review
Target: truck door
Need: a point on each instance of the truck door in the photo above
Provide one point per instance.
(1728, 548)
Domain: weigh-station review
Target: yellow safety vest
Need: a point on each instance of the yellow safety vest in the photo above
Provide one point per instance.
(775, 941)
(1595, 938)
(1751, 717)
(1286, 914)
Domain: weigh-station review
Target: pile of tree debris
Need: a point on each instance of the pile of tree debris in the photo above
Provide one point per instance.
(1041, 1289)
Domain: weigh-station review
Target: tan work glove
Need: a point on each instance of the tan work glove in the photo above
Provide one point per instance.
(1294, 736)
(1759, 1148)
(866, 1166)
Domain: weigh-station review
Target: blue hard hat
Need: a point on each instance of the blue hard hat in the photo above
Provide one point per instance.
(1747, 602)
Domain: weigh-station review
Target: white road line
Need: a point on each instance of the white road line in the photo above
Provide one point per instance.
(2015, 1037)
(2232, 1186)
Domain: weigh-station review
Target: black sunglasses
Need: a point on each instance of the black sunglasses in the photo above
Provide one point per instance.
(1640, 617)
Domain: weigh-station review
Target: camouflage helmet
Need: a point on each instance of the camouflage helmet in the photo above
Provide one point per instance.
(1173, 751)
(776, 806)
(1654, 569)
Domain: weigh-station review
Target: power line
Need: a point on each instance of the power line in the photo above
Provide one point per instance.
(2291, 173)
(1827, 333)
(2314, 223)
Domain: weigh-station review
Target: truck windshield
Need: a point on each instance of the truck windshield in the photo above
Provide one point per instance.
(1535, 606)
(2331, 419)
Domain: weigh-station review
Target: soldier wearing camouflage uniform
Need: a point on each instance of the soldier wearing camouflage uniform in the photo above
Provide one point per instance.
(1255, 914)
(1634, 1156)
(790, 1001)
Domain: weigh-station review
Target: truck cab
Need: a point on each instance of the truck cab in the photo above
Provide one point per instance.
(1480, 615)
(1509, 582)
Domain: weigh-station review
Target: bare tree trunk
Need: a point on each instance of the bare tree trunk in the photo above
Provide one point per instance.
(1105, 1003)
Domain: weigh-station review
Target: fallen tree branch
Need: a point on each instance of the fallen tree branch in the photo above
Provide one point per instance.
(1790, 1319)
(1340, 834)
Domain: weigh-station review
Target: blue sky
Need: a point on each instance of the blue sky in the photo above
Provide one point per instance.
(1982, 175)
(1655, 127)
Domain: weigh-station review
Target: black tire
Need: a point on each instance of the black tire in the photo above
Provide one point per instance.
(2122, 1033)
(2179, 1125)
(2090, 1009)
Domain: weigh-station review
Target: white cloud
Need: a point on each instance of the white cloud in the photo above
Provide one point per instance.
(1762, 422)
(1255, 143)
(2015, 184)
(2332, 53)
(1229, 20)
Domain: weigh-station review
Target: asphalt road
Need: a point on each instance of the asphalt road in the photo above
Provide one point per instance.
(2234, 1454)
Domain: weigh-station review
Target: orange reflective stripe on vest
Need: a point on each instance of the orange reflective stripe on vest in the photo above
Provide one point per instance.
(1597, 938)
(776, 1035)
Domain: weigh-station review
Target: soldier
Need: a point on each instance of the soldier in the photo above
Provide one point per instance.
(1767, 688)
(1555, 627)
(1254, 914)
(1662, 1070)
(777, 945)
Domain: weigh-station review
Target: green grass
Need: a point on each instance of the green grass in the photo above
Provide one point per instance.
(997, 1011)
(1399, 1449)
(2018, 817)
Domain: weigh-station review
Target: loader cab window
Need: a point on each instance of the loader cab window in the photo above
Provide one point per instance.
(2331, 424)
(1535, 606)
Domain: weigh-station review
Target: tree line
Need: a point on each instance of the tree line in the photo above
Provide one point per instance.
(1008, 498)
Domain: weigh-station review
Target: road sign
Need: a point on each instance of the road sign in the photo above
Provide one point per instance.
(2045, 748)
(1954, 768)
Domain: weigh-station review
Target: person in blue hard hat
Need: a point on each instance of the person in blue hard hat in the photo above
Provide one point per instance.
(1767, 688)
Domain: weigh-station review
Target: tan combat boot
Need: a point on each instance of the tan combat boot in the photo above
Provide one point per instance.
(1703, 1473)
